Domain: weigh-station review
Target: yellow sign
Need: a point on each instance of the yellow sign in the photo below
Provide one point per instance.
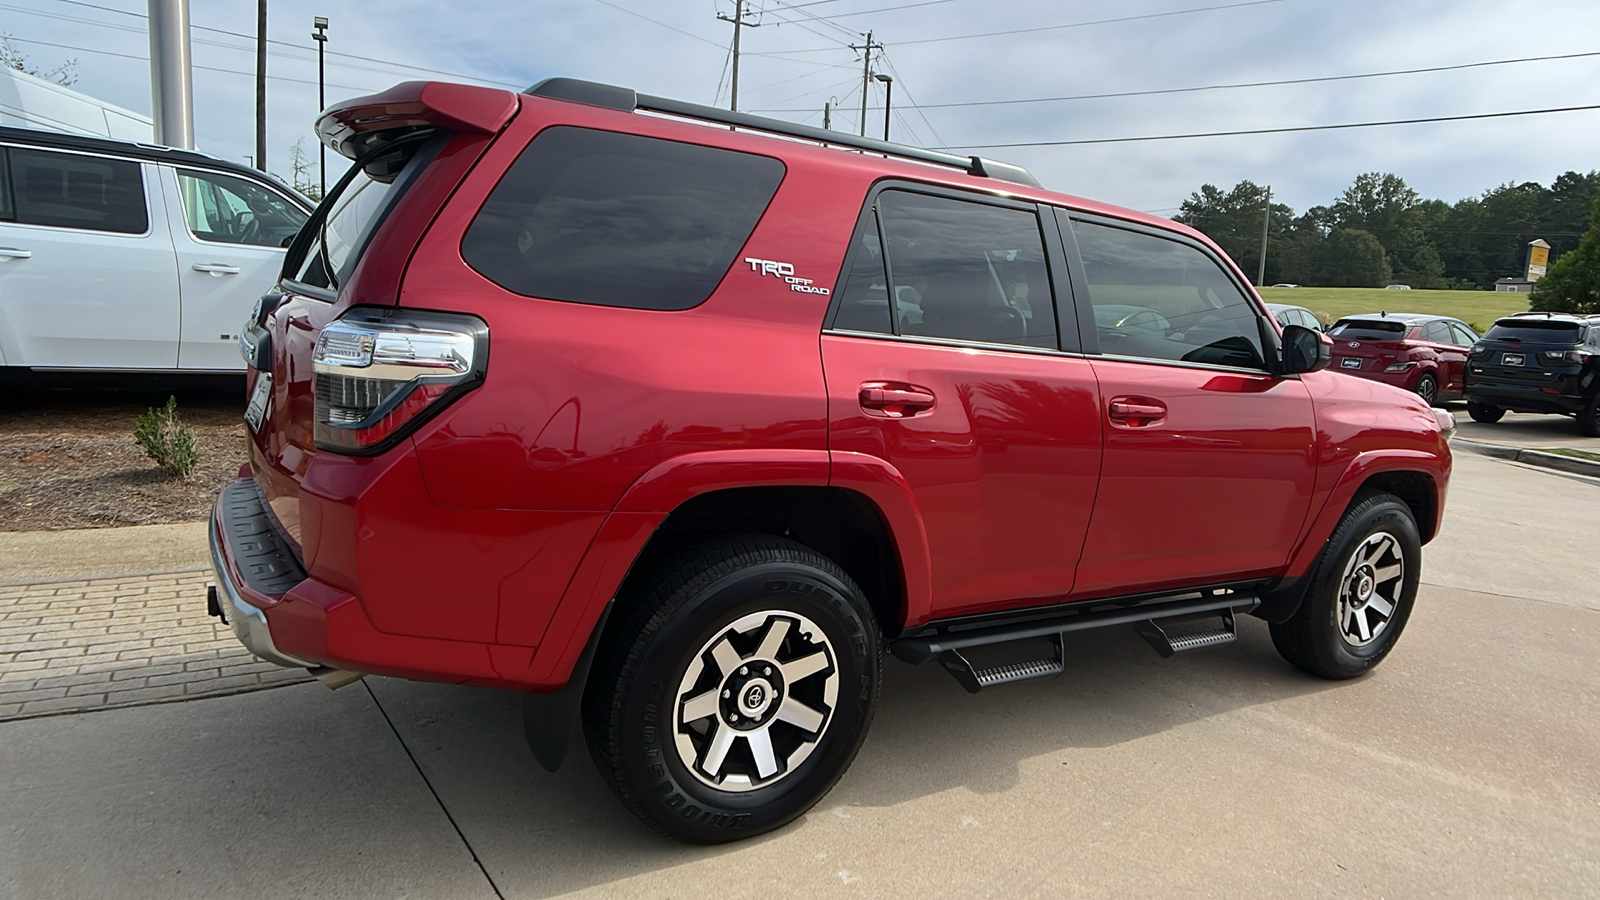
(1540, 256)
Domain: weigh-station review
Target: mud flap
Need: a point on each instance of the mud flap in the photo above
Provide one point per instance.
(549, 719)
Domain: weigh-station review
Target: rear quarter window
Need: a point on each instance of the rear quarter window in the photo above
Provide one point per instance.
(619, 220)
(74, 190)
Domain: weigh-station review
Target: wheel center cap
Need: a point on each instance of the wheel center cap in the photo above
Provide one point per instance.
(755, 697)
(1365, 583)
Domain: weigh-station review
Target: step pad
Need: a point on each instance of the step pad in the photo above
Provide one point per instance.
(1167, 645)
(975, 679)
(1202, 640)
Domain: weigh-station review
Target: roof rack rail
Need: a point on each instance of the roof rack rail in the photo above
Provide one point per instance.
(627, 100)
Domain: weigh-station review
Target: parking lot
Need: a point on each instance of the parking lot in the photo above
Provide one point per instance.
(1468, 765)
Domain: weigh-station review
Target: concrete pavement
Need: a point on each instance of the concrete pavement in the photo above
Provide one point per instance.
(1468, 765)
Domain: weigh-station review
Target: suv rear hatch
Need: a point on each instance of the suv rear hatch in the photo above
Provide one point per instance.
(1368, 344)
(354, 391)
(1529, 351)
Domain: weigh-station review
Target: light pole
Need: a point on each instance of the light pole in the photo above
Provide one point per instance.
(888, 95)
(321, 37)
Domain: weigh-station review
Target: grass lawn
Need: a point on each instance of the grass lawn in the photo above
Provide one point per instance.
(1477, 308)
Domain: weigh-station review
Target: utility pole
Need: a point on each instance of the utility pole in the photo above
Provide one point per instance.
(739, 25)
(1266, 220)
(866, 76)
(171, 73)
(260, 161)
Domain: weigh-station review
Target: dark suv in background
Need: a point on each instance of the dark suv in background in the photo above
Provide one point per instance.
(1537, 363)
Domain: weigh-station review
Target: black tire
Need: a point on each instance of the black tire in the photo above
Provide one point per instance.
(1589, 418)
(1483, 412)
(1315, 638)
(678, 632)
(1428, 388)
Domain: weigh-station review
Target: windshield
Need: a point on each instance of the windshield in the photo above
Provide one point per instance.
(1369, 329)
(1548, 332)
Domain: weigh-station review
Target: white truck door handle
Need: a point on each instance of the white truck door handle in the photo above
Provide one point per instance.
(216, 268)
(14, 253)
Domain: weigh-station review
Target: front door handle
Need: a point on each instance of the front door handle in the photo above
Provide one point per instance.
(1136, 412)
(895, 400)
(14, 253)
(216, 269)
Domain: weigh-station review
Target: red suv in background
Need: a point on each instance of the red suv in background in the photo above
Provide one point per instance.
(1424, 354)
(677, 428)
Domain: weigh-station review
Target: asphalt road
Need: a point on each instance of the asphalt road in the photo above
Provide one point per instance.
(1468, 765)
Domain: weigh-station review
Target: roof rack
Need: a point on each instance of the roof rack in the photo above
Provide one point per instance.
(609, 96)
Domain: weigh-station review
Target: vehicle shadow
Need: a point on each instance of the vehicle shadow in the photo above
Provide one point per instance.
(541, 834)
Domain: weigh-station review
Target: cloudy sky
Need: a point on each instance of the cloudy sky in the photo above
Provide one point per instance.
(970, 53)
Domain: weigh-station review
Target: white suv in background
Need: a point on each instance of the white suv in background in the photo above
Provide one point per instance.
(117, 256)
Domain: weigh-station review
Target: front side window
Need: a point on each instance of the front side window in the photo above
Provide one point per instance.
(7, 213)
(1156, 298)
(966, 271)
(1463, 334)
(71, 190)
(231, 210)
(619, 220)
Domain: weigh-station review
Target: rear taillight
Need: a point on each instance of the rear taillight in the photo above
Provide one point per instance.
(1394, 345)
(1557, 357)
(1479, 351)
(378, 374)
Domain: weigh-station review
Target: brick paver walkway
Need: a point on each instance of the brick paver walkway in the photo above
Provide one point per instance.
(71, 646)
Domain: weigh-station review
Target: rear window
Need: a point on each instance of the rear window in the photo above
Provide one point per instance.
(1535, 331)
(72, 190)
(1371, 329)
(619, 220)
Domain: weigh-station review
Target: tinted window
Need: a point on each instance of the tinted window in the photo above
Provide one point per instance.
(1369, 329)
(968, 271)
(1546, 332)
(1464, 335)
(5, 187)
(354, 212)
(1161, 299)
(1436, 331)
(619, 220)
(235, 211)
(66, 190)
(864, 291)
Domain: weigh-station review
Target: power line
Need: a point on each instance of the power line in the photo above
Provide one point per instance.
(1249, 84)
(659, 22)
(1206, 134)
(146, 59)
(870, 11)
(1160, 15)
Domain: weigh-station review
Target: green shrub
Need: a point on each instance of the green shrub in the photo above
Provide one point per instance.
(166, 440)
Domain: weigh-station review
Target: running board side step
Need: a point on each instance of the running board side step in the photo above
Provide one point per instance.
(947, 644)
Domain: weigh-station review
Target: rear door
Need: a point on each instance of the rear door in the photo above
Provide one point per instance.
(230, 234)
(87, 277)
(1452, 356)
(1209, 458)
(962, 386)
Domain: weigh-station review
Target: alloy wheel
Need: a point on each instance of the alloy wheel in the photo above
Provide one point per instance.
(1369, 590)
(756, 700)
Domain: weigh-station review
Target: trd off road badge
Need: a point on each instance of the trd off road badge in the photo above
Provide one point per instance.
(786, 272)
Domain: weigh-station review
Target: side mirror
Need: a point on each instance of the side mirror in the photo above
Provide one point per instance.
(1305, 350)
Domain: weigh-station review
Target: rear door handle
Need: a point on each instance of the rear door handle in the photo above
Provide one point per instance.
(216, 268)
(1136, 411)
(14, 253)
(894, 400)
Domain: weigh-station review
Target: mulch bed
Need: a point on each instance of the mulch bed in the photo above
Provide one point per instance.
(68, 459)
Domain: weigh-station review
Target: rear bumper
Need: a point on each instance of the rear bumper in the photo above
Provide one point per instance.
(1523, 397)
(239, 518)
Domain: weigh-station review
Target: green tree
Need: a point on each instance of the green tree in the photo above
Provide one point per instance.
(1234, 220)
(1351, 257)
(1573, 281)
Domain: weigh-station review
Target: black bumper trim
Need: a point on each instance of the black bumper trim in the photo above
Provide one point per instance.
(262, 554)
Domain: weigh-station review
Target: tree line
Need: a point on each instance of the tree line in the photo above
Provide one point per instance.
(1379, 232)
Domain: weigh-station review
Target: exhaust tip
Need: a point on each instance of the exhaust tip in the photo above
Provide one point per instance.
(336, 678)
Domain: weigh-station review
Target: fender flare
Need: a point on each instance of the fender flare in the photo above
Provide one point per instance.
(1280, 601)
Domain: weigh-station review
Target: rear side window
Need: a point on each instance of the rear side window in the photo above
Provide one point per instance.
(6, 211)
(619, 220)
(1156, 298)
(1369, 329)
(1437, 332)
(1534, 331)
(965, 271)
(69, 190)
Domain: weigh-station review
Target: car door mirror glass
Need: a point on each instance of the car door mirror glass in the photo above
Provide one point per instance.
(1305, 350)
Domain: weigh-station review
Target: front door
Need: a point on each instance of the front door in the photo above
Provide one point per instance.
(959, 384)
(87, 278)
(1209, 458)
(230, 235)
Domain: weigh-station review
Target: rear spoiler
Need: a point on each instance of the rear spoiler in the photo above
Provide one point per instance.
(350, 127)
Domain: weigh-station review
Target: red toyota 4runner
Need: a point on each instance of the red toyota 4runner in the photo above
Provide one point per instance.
(676, 419)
